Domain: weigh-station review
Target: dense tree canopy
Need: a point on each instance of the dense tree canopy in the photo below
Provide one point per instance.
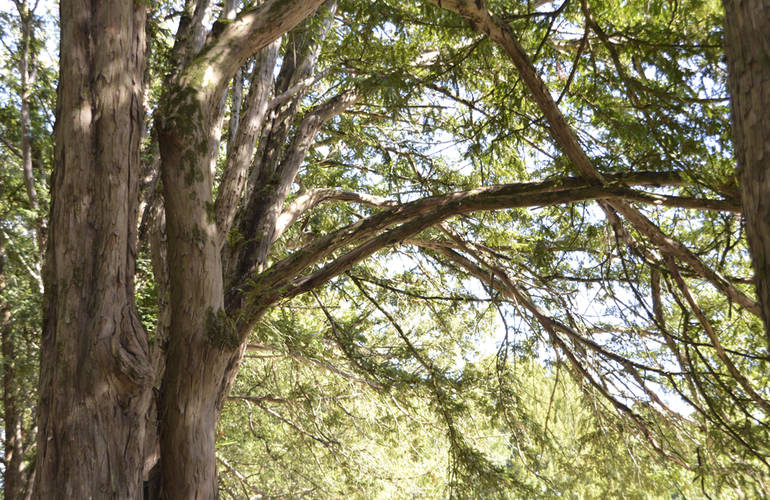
(383, 250)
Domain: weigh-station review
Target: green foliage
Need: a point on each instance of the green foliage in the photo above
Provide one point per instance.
(444, 111)
(22, 225)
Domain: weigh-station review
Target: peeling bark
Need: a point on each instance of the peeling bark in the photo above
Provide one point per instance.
(188, 420)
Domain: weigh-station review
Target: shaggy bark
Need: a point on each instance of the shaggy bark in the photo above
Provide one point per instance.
(747, 44)
(95, 373)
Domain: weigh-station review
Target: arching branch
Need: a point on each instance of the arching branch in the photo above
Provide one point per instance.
(383, 229)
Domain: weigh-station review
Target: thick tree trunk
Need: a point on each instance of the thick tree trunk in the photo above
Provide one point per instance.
(201, 337)
(95, 373)
(747, 43)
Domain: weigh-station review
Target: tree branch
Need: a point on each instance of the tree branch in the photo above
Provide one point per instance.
(297, 88)
(364, 228)
(499, 279)
(264, 208)
(415, 217)
(241, 150)
(230, 43)
(483, 21)
(309, 200)
(706, 324)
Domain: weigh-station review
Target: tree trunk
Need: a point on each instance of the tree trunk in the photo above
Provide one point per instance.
(13, 476)
(747, 44)
(197, 334)
(201, 337)
(95, 372)
(27, 76)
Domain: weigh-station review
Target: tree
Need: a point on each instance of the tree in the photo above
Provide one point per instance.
(745, 24)
(95, 362)
(233, 237)
(94, 358)
(26, 87)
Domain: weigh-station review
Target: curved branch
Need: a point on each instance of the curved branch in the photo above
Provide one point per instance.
(500, 280)
(276, 283)
(358, 231)
(230, 43)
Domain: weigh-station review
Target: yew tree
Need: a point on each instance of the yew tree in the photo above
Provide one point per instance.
(97, 373)
(286, 150)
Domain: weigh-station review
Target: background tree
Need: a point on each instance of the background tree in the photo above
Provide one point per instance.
(26, 107)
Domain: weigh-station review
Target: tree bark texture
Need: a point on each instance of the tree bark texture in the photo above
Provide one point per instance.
(195, 348)
(747, 45)
(95, 372)
(244, 137)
